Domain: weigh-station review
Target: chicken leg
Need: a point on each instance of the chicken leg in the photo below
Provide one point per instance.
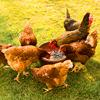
(50, 87)
(80, 68)
(46, 90)
(25, 73)
(74, 69)
(4, 66)
(17, 77)
(65, 85)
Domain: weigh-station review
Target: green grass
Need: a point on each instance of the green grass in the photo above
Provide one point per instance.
(46, 18)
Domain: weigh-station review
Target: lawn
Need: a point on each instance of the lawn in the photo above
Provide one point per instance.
(46, 18)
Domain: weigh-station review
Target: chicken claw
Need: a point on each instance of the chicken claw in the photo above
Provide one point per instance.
(65, 85)
(46, 90)
(25, 73)
(17, 77)
(79, 68)
(4, 67)
(74, 70)
(17, 80)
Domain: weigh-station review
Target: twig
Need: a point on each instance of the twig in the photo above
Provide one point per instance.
(24, 89)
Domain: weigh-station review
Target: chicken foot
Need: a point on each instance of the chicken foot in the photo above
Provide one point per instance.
(25, 73)
(65, 85)
(46, 90)
(4, 66)
(80, 68)
(50, 87)
(17, 77)
(74, 69)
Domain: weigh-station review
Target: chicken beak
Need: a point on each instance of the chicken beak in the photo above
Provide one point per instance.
(50, 44)
(90, 20)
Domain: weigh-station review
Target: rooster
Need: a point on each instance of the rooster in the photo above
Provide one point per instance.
(72, 36)
(2, 57)
(70, 24)
(27, 37)
(52, 75)
(19, 58)
(81, 51)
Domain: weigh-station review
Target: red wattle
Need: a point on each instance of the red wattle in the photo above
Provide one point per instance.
(54, 46)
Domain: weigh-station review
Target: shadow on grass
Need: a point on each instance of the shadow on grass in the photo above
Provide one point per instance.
(86, 83)
(83, 85)
(93, 68)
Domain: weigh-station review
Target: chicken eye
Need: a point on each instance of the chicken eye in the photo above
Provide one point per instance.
(66, 21)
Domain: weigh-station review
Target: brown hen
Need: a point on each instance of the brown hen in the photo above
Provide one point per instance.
(52, 75)
(27, 37)
(19, 58)
(81, 51)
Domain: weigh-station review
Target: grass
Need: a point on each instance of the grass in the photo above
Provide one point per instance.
(46, 18)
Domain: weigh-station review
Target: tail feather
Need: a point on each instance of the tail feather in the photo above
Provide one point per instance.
(96, 31)
(84, 27)
(95, 34)
(67, 14)
(92, 38)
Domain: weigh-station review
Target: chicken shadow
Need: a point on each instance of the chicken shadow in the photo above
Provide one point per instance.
(89, 72)
(93, 67)
(74, 79)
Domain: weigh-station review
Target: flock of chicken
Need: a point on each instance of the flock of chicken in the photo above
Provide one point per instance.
(76, 44)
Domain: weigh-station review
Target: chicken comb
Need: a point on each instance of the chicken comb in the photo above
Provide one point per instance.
(91, 18)
(10, 45)
(50, 42)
